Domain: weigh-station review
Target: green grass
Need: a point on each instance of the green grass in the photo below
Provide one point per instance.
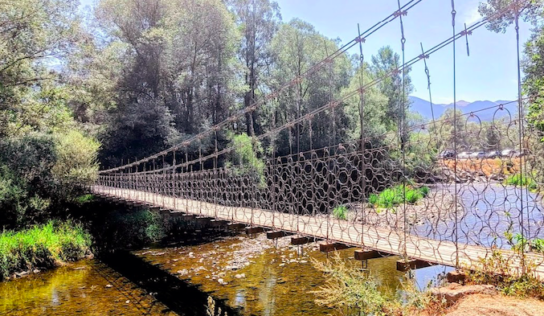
(394, 196)
(340, 212)
(43, 246)
(518, 180)
(82, 199)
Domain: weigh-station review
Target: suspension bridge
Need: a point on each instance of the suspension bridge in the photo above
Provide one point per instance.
(463, 214)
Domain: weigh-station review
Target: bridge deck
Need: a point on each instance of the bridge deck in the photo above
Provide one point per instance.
(387, 240)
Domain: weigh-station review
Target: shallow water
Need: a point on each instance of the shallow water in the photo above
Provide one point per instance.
(87, 287)
(255, 276)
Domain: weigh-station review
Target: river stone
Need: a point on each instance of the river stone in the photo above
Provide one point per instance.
(240, 276)
(454, 292)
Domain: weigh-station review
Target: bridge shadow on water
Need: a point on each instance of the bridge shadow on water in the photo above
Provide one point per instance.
(178, 295)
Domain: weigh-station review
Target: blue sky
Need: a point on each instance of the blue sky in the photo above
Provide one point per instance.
(488, 74)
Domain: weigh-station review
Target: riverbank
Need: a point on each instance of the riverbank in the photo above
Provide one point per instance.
(42, 247)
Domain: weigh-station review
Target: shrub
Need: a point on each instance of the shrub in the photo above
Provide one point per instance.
(340, 212)
(396, 195)
(412, 196)
(348, 288)
(424, 191)
(496, 270)
(373, 199)
(75, 160)
(518, 180)
(42, 246)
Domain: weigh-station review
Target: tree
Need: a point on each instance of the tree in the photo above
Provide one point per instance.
(32, 34)
(297, 47)
(258, 21)
(179, 54)
(383, 66)
(502, 13)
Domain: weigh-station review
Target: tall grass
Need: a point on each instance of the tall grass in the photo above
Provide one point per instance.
(43, 246)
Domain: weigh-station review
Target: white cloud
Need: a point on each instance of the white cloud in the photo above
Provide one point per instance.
(471, 15)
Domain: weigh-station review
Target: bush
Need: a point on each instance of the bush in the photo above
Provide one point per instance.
(340, 212)
(518, 180)
(396, 195)
(38, 171)
(348, 288)
(373, 199)
(496, 270)
(75, 163)
(42, 246)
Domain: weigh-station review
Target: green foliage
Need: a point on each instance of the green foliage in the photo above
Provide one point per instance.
(39, 170)
(519, 180)
(537, 245)
(351, 291)
(496, 270)
(348, 289)
(135, 228)
(246, 157)
(75, 159)
(396, 195)
(42, 246)
(340, 212)
(83, 199)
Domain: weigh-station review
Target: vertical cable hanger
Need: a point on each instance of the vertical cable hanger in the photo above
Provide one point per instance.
(362, 119)
(466, 34)
(401, 128)
(456, 230)
(521, 137)
(428, 74)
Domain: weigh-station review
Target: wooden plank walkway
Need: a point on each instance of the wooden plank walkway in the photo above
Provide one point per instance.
(387, 240)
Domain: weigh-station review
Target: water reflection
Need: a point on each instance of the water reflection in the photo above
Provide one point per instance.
(276, 281)
(87, 287)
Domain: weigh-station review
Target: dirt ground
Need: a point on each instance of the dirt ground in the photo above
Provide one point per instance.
(495, 305)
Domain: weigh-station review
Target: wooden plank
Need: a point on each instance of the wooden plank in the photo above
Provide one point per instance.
(218, 223)
(328, 247)
(301, 240)
(254, 230)
(366, 254)
(277, 234)
(412, 264)
(236, 226)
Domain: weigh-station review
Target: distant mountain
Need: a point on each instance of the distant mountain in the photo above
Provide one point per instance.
(485, 110)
